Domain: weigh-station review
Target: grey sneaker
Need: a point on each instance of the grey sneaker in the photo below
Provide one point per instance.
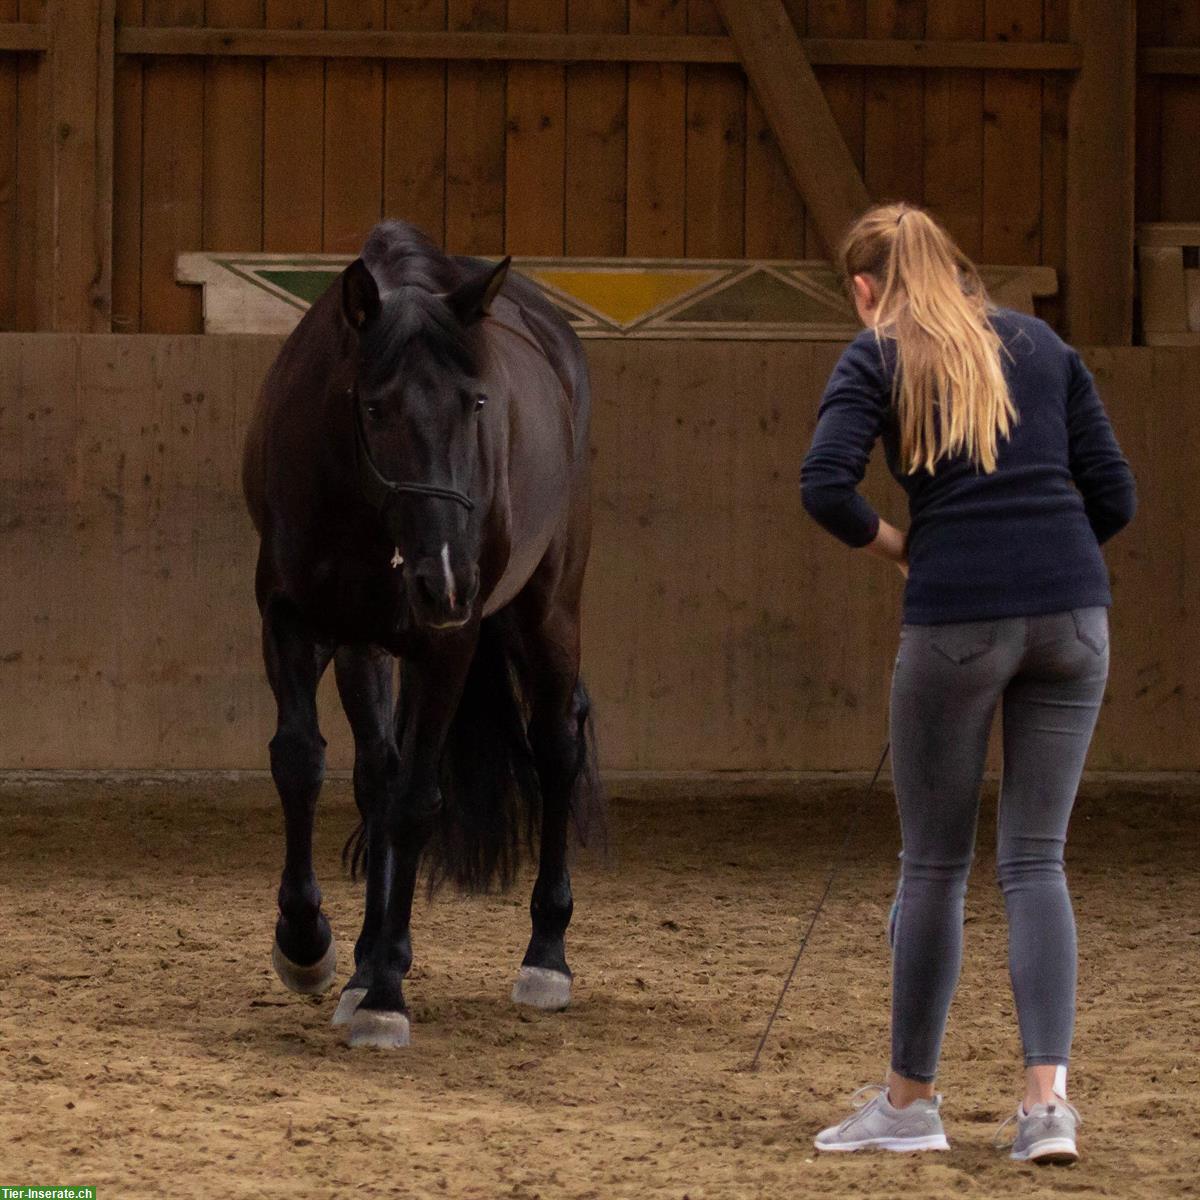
(876, 1125)
(1045, 1134)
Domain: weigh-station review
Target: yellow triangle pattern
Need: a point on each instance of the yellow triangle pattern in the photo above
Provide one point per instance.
(624, 297)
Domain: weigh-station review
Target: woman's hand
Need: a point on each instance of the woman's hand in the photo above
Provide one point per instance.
(892, 545)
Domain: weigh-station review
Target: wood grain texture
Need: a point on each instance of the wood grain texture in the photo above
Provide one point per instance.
(1100, 176)
(353, 167)
(9, 118)
(1179, 194)
(475, 138)
(953, 182)
(1012, 184)
(657, 145)
(172, 175)
(233, 138)
(127, 182)
(894, 107)
(535, 148)
(715, 211)
(1056, 98)
(293, 128)
(414, 154)
(119, 465)
(597, 133)
(844, 90)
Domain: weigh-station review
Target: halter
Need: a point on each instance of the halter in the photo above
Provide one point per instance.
(379, 489)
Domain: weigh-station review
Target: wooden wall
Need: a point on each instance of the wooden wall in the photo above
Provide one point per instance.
(538, 158)
(724, 631)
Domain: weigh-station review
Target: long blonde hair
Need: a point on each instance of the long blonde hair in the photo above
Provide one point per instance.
(949, 389)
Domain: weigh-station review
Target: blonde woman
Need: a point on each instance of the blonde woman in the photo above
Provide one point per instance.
(993, 427)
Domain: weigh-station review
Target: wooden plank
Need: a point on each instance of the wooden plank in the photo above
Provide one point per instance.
(1169, 60)
(475, 138)
(775, 216)
(414, 124)
(953, 184)
(1012, 186)
(1163, 292)
(75, 178)
(564, 48)
(594, 200)
(233, 139)
(293, 149)
(1056, 95)
(844, 88)
(894, 106)
(657, 167)
(715, 213)
(1100, 170)
(353, 171)
(1148, 139)
(1180, 120)
(172, 177)
(127, 183)
(22, 37)
(535, 153)
(32, 99)
(790, 95)
(9, 116)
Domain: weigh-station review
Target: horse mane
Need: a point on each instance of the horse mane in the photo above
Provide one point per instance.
(416, 325)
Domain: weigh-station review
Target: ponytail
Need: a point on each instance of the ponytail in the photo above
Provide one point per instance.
(949, 389)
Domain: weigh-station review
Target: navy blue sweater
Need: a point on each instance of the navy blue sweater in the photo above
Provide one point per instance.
(1021, 541)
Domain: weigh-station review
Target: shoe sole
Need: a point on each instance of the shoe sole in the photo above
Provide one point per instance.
(1049, 1152)
(897, 1145)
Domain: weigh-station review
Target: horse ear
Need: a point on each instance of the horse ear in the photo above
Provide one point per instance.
(360, 295)
(471, 301)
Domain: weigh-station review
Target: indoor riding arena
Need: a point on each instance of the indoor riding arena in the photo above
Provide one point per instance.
(186, 187)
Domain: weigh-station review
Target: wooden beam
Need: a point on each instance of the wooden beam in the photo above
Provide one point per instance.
(23, 38)
(975, 56)
(583, 47)
(1169, 60)
(1100, 175)
(417, 44)
(795, 106)
(74, 220)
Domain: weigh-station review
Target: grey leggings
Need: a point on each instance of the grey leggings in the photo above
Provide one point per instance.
(1049, 674)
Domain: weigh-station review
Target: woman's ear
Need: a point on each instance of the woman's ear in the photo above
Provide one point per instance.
(865, 297)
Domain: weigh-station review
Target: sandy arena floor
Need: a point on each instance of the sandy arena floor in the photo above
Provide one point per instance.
(146, 1047)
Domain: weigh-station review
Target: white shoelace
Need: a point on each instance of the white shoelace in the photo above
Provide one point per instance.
(1057, 1102)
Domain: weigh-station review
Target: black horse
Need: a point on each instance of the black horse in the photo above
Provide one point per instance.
(417, 470)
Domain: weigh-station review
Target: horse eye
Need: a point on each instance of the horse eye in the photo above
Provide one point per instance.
(374, 411)
(480, 400)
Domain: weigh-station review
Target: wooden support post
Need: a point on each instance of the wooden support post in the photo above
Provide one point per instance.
(1100, 175)
(787, 89)
(74, 239)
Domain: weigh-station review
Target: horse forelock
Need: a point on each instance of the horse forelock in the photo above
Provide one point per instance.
(416, 332)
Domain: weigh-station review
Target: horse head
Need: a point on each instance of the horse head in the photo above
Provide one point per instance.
(418, 407)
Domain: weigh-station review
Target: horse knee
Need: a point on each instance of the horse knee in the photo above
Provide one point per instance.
(297, 761)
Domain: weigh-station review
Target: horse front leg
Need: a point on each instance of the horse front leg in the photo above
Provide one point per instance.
(558, 739)
(303, 955)
(430, 690)
(365, 687)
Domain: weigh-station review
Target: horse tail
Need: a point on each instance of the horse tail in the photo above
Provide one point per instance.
(491, 808)
(491, 799)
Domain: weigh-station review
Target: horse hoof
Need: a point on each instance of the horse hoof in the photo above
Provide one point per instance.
(375, 1027)
(540, 987)
(349, 1001)
(309, 981)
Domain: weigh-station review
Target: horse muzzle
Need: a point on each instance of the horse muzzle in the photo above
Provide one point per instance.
(441, 593)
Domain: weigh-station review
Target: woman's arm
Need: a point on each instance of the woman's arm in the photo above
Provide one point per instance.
(1098, 467)
(848, 423)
